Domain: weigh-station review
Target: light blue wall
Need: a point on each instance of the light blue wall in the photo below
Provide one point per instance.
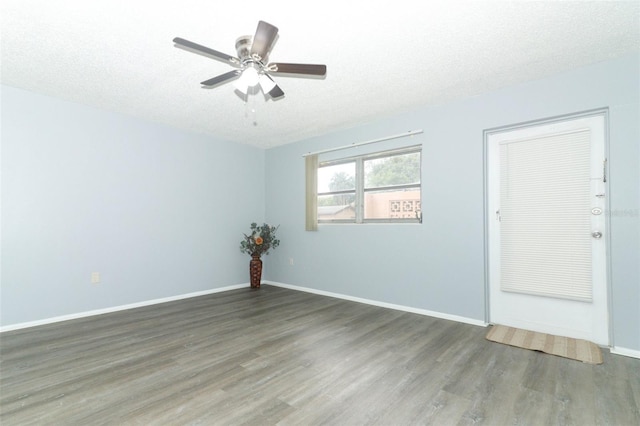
(439, 265)
(157, 211)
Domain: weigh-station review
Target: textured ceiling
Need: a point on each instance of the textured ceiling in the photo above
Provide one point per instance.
(382, 57)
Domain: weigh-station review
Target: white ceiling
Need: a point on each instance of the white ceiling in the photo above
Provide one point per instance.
(383, 57)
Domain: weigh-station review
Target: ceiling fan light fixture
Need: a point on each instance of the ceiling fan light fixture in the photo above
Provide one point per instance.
(266, 83)
(249, 78)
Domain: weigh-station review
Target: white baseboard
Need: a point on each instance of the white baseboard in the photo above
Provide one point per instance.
(382, 304)
(119, 308)
(625, 352)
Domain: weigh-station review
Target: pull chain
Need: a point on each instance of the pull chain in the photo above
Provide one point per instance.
(250, 107)
(254, 107)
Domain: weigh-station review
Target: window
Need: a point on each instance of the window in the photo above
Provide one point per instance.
(377, 187)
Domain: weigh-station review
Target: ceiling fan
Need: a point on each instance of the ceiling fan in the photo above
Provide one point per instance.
(252, 68)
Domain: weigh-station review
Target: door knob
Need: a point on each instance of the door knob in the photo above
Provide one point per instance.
(596, 234)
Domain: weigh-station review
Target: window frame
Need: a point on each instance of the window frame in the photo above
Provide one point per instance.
(360, 190)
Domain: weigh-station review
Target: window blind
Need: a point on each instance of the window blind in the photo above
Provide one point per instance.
(545, 228)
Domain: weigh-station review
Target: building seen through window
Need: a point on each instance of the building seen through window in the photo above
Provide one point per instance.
(378, 187)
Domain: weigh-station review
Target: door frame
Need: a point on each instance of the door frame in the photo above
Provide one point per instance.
(604, 112)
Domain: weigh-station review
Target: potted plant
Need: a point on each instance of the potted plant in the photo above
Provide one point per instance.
(259, 241)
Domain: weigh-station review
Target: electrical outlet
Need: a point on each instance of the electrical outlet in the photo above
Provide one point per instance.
(95, 277)
(291, 261)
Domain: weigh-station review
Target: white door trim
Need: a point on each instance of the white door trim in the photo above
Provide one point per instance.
(488, 215)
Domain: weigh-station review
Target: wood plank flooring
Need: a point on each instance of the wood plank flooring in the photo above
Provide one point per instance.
(278, 356)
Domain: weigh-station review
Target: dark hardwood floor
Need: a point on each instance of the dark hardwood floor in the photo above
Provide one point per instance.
(278, 356)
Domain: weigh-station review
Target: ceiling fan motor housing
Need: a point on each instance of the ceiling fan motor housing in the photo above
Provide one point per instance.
(243, 47)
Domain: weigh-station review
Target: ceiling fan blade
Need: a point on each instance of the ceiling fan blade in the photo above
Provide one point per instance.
(196, 48)
(276, 92)
(263, 40)
(222, 78)
(308, 69)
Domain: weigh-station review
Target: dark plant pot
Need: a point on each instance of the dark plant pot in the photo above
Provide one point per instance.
(255, 271)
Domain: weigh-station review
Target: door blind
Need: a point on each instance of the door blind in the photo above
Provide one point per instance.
(545, 241)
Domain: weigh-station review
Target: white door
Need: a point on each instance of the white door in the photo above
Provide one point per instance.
(546, 228)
